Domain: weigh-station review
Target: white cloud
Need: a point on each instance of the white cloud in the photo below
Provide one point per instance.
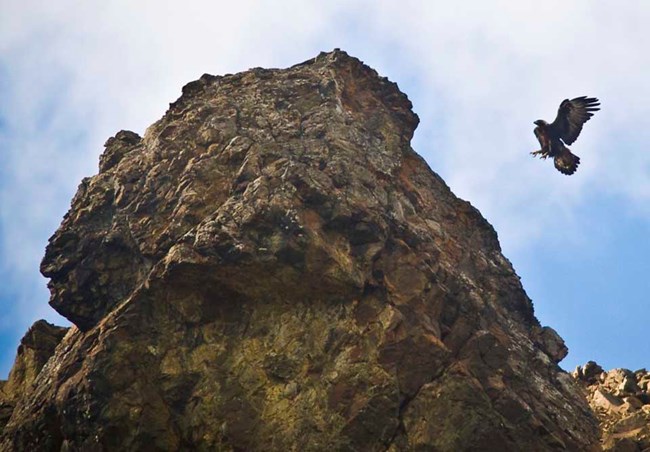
(501, 65)
(74, 73)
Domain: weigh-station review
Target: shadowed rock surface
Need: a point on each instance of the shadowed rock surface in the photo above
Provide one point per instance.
(621, 400)
(272, 267)
(35, 349)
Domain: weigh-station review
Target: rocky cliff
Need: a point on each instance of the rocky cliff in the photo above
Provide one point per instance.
(272, 267)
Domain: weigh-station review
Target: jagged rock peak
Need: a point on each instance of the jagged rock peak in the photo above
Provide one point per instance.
(346, 67)
(272, 267)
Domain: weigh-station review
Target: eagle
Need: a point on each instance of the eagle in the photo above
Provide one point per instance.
(553, 137)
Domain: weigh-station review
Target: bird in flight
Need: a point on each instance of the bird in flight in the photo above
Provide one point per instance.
(553, 137)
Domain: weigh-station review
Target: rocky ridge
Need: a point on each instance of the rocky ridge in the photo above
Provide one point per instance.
(272, 267)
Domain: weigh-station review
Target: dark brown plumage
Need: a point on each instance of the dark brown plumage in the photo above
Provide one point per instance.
(571, 116)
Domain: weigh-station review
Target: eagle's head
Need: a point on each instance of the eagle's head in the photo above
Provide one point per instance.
(540, 122)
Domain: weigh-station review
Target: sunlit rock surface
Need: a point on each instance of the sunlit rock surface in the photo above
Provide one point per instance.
(621, 400)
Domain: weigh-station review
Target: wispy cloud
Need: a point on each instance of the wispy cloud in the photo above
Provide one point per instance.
(501, 65)
(74, 73)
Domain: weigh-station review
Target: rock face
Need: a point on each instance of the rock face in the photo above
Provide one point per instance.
(621, 400)
(272, 267)
(35, 349)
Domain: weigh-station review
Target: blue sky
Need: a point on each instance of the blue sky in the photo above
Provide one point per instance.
(72, 73)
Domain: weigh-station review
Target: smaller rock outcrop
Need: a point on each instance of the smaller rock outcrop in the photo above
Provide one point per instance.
(621, 400)
(547, 339)
(36, 347)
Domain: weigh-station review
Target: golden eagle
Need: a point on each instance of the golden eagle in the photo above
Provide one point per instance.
(571, 116)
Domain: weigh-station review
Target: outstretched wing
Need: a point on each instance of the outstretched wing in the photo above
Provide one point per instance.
(571, 116)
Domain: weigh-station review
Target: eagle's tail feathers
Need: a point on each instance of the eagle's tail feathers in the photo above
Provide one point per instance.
(566, 162)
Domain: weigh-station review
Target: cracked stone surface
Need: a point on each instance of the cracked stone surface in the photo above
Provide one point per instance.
(272, 267)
